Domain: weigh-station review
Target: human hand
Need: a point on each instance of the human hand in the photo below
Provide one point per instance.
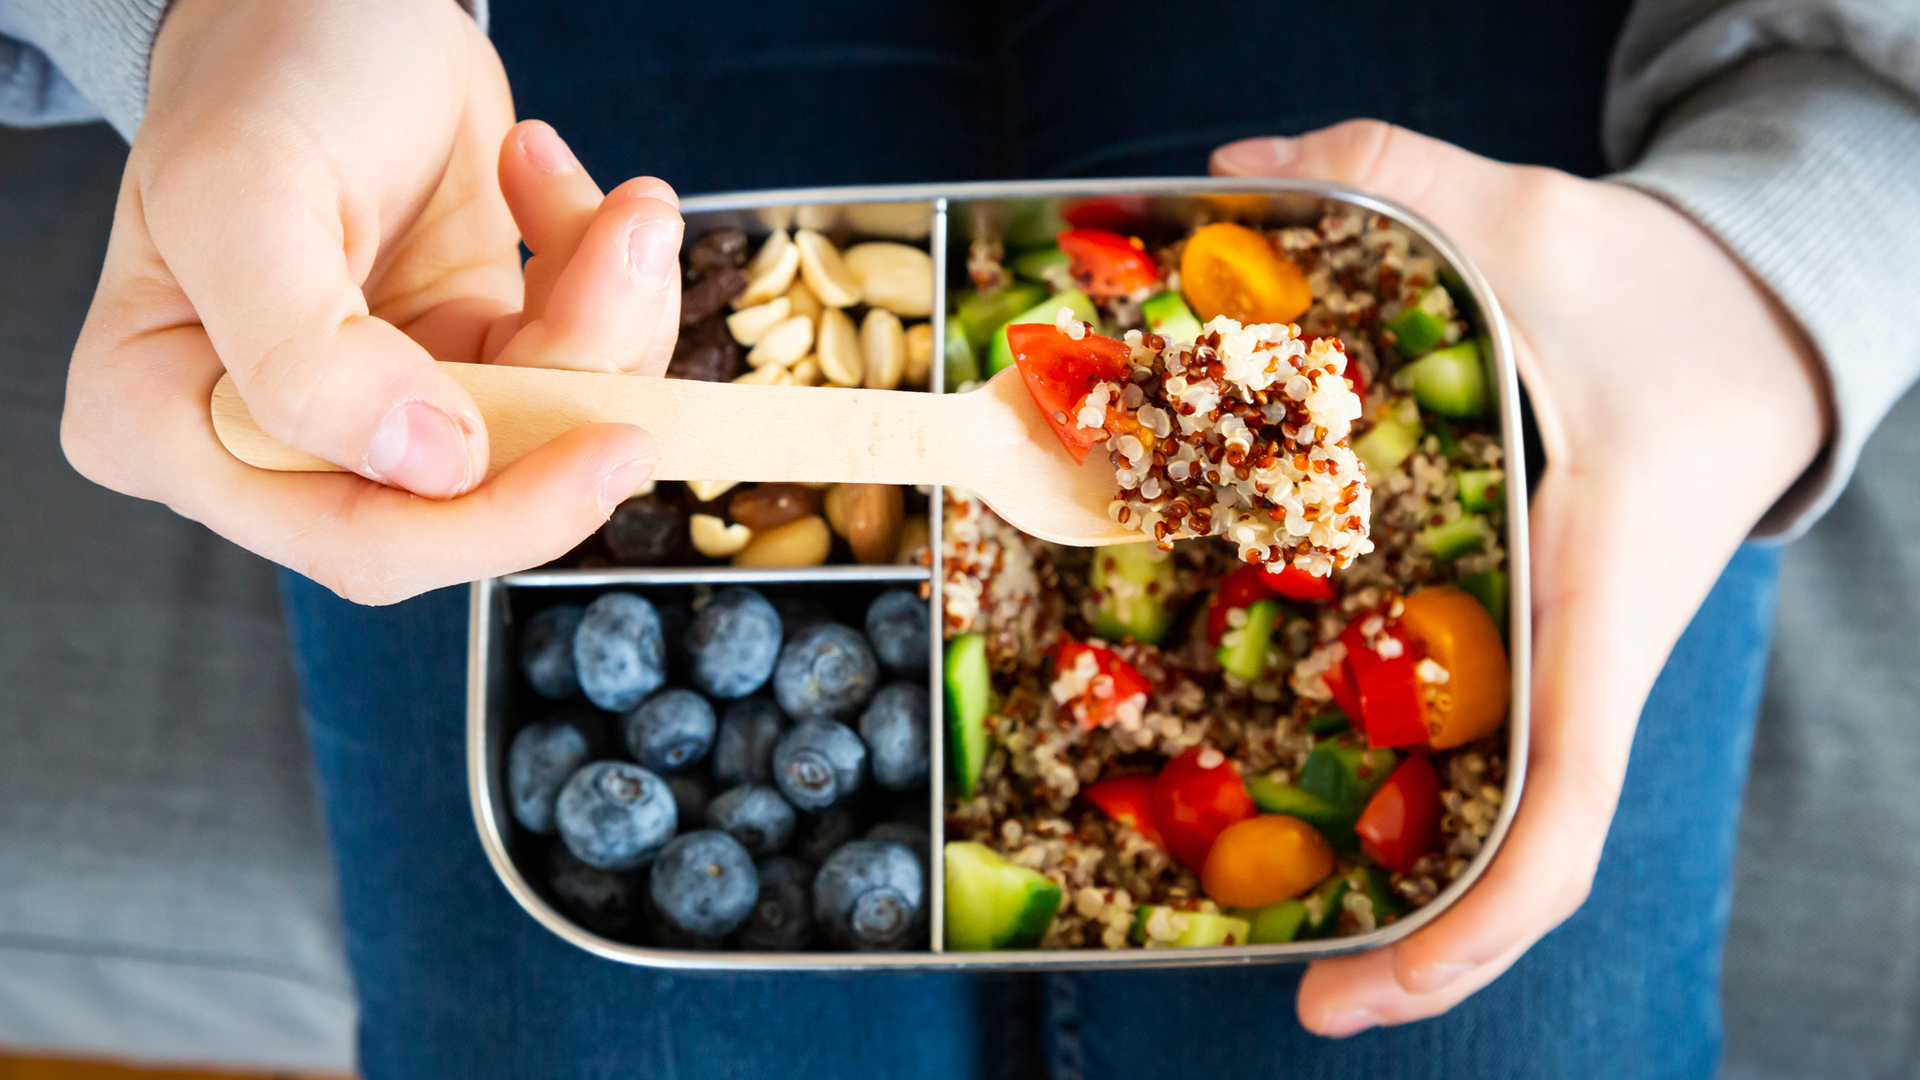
(1676, 402)
(322, 201)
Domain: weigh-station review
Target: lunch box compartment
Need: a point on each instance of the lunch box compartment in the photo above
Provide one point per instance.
(945, 219)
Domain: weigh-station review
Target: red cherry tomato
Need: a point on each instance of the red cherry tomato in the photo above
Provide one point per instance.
(1059, 371)
(1296, 584)
(1402, 820)
(1108, 264)
(1236, 590)
(1195, 797)
(1129, 801)
(1115, 213)
(1391, 710)
(1115, 683)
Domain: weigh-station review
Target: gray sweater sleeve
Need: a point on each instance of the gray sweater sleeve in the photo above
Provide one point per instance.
(1791, 130)
(68, 60)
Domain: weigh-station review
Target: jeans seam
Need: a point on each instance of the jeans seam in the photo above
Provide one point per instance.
(1065, 1061)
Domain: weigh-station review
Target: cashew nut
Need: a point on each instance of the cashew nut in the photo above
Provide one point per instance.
(838, 349)
(715, 538)
(824, 271)
(709, 490)
(893, 276)
(884, 346)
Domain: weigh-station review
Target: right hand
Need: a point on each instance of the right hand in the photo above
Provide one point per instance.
(322, 201)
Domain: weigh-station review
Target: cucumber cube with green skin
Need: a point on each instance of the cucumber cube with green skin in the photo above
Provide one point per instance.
(1275, 924)
(1244, 650)
(1393, 437)
(1423, 324)
(1494, 590)
(1000, 354)
(1323, 907)
(962, 367)
(1377, 884)
(1333, 822)
(1193, 928)
(969, 703)
(1033, 223)
(1482, 489)
(1134, 582)
(1048, 265)
(1168, 315)
(1331, 722)
(1450, 381)
(981, 314)
(1346, 774)
(1450, 540)
(993, 904)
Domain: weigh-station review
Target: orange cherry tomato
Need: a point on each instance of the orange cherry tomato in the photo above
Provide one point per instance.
(1265, 860)
(1460, 636)
(1232, 270)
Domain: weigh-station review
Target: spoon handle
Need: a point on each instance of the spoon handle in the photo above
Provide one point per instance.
(704, 431)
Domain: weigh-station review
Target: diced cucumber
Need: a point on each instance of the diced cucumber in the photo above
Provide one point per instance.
(993, 904)
(1168, 315)
(1331, 722)
(1244, 650)
(1482, 489)
(1450, 381)
(1032, 223)
(1377, 885)
(1494, 590)
(1134, 582)
(1048, 265)
(969, 703)
(1423, 324)
(1000, 354)
(980, 314)
(1346, 774)
(1393, 437)
(1275, 924)
(1190, 928)
(962, 367)
(1452, 539)
(1323, 907)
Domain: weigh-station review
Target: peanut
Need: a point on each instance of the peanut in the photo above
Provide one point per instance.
(824, 271)
(838, 349)
(892, 276)
(784, 344)
(771, 271)
(883, 346)
(749, 325)
(805, 542)
(919, 355)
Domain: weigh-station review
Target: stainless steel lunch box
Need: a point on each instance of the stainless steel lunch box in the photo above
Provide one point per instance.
(948, 217)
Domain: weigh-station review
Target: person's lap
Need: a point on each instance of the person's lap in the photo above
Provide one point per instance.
(456, 981)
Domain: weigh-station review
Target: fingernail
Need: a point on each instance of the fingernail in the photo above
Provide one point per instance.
(1351, 1022)
(546, 149)
(1437, 977)
(422, 449)
(653, 251)
(1255, 157)
(622, 481)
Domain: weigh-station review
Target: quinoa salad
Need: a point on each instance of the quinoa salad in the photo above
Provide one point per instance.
(1285, 718)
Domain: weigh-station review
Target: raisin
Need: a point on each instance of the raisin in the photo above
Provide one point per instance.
(698, 302)
(706, 353)
(647, 530)
(718, 250)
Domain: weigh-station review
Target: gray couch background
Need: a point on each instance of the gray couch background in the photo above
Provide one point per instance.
(164, 885)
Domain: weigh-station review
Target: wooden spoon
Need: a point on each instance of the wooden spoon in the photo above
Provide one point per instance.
(992, 441)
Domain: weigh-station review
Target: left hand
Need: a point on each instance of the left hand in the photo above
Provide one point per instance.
(1676, 402)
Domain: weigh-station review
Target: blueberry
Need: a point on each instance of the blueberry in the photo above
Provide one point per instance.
(916, 838)
(733, 644)
(900, 627)
(894, 727)
(782, 919)
(825, 673)
(691, 794)
(818, 764)
(867, 895)
(542, 758)
(670, 731)
(755, 815)
(743, 749)
(821, 835)
(619, 651)
(615, 816)
(607, 902)
(546, 651)
(647, 530)
(704, 883)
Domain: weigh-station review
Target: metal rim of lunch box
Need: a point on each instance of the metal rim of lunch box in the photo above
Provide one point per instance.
(486, 648)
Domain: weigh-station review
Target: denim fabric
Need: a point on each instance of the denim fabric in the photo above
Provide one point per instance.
(457, 982)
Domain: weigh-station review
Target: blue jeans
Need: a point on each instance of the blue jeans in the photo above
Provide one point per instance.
(457, 982)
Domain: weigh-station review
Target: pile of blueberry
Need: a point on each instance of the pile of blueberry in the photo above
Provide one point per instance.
(774, 798)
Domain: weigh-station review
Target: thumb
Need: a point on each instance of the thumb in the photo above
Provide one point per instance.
(274, 279)
(1466, 195)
